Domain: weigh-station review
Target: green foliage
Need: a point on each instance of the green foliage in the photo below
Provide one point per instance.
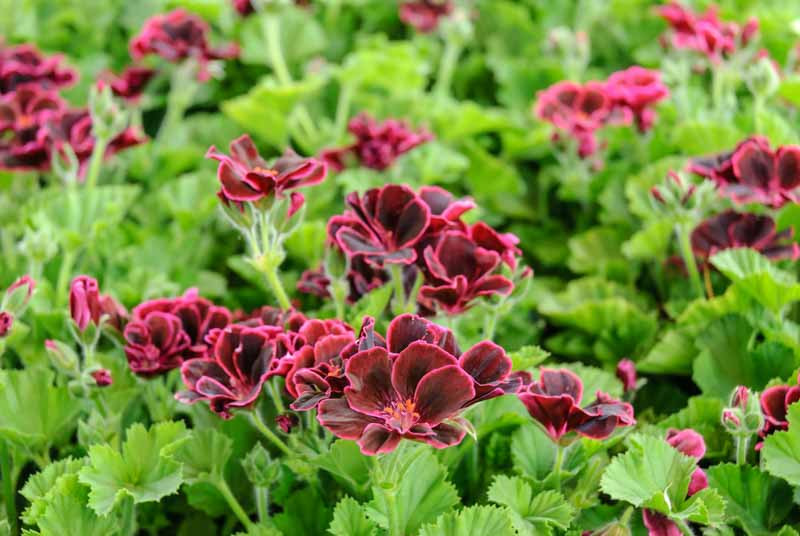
(781, 451)
(531, 513)
(472, 520)
(349, 519)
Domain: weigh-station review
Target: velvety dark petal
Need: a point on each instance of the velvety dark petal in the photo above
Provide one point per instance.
(194, 369)
(391, 202)
(773, 404)
(405, 329)
(233, 187)
(210, 387)
(445, 435)
(494, 284)
(412, 223)
(244, 150)
(441, 393)
(754, 166)
(370, 375)
(552, 412)
(486, 362)
(414, 362)
(378, 439)
(788, 158)
(335, 415)
(355, 243)
(561, 382)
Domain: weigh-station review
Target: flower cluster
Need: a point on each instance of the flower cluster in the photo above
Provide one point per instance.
(554, 402)
(705, 33)
(179, 35)
(754, 173)
(245, 177)
(580, 110)
(732, 229)
(24, 65)
(377, 145)
(423, 232)
(424, 15)
(691, 444)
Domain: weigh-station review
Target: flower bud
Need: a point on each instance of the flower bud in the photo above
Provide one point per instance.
(84, 301)
(761, 78)
(102, 377)
(731, 420)
(626, 373)
(286, 422)
(62, 356)
(18, 295)
(260, 468)
(6, 321)
(740, 397)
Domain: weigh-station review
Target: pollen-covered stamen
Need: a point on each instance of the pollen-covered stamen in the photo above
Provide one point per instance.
(402, 414)
(264, 171)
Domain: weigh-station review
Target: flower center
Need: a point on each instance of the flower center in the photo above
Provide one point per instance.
(402, 415)
(264, 171)
(25, 121)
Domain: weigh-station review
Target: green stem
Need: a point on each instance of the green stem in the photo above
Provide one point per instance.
(758, 110)
(64, 271)
(490, 323)
(182, 88)
(742, 444)
(272, 34)
(230, 498)
(9, 487)
(684, 527)
(444, 78)
(258, 422)
(96, 162)
(399, 297)
(277, 287)
(262, 503)
(128, 522)
(557, 465)
(275, 394)
(685, 245)
(395, 523)
(343, 109)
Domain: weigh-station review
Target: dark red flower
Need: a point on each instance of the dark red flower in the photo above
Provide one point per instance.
(658, 524)
(6, 321)
(424, 15)
(775, 402)
(246, 177)
(417, 396)
(244, 7)
(626, 373)
(315, 282)
(23, 113)
(504, 244)
(286, 422)
(383, 226)
(554, 400)
(460, 272)
(364, 277)
(377, 145)
(234, 374)
(102, 377)
(25, 65)
(637, 89)
(155, 344)
(754, 173)
(87, 305)
(731, 229)
(130, 84)
(179, 35)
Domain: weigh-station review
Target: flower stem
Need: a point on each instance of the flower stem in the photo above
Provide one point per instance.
(399, 297)
(67, 263)
(395, 524)
(685, 246)
(557, 465)
(742, 444)
(444, 78)
(684, 527)
(258, 422)
(9, 485)
(262, 503)
(490, 324)
(272, 34)
(277, 287)
(275, 394)
(234, 504)
(96, 161)
(343, 109)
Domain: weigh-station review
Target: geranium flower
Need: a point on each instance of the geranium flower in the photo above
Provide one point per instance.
(6, 321)
(25, 65)
(314, 282)
(179, 35)
(87, 305)
(637, 89)
(377, 145)
(753, 173)
(554, 400)
(424, 15)
(234, 374)
(504, 244)
(460, 272)
(246, 177)
(626, 373)
(731, 229)
(102, 377)
(24, 284)
(155, 344)
(23, 113)
(383, 226)
(130, 84)
(775, 402)
(417, 396)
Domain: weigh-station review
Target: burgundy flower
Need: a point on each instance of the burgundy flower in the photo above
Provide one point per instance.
(246, 177)
(731, 229)
(775, 402)
(637, 89)
(130, 84)
(554, 401)
(416, 396)
(178, 35)
(102, 377)
(286, 422)
(504, 244)
(460, 272)
(315, 282)
(424, 15)
(155, 344)
(6, 321)
(377, 145)
(23, 113)
(234, 374)
(383, 226)
(363, 278)
(753, 173)
(626, 373)
(26, 65)
(658, 524)
(87, 305)
(244, 7)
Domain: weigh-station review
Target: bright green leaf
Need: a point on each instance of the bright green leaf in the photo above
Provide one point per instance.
(531, 512)
(349, 519)
(471, 521)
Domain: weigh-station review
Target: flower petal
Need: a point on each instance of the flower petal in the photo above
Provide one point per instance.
(335, 415)
(441, 393)
(370, 375)
(414, 363)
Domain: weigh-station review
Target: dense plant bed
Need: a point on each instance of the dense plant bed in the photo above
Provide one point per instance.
(427, 267)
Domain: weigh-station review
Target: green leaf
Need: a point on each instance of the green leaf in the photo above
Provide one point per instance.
(33, 423)
(758, 277)
(790, 89)
(696, 137)
(418, 499)
(68, 513)
(533, 451)
(40, 487)
(295, 518)
(757, 501)
(349, 519)
(596, 252)
(487, 520)
(651, 242)
(397, 67)
(346, 463)
(203, 455)
(143, 469)
(781, 451)
(528, 357)
(372, 304)
(674, 353)
(532, 514)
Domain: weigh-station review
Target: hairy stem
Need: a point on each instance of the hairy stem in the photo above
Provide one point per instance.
(444, 78)
(64, 271)
(258, 422)
(96, 161)
(234, 504)
(277, 287)
(685, 246)
(742, 444)
(557, 465)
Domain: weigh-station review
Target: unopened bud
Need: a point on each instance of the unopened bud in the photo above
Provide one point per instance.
(286, 422)
(260, 468)
(102, 377)
(62, 356)
(761, 78)
(18, 295)
(6, 321)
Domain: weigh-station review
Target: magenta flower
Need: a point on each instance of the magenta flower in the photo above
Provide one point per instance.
(504, 244)
(554, 400)
(23, 113)
(637, 89)
(775, 402)
(626, 373)
(84, 301)
(102, 377)
(315, 282)
(416, 396)
(6, 321)
(25, 65)
(461, 271)
(286, 422)
(424, 15)
(156, 344)
(753, 173)
(246, 177)
(130, 84)
(731, 229)
(179, 35)
(383, 226)
(234, 374)
(377, 145)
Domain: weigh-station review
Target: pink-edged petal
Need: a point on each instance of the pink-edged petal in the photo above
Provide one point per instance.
(552, 412)
(486, 362)
(233, 187)
(413, 363)
(335, 415)
(561, 382)
(370, 375)
(754, 165)
(441, 393)
(378, 439)
(788, 158)
(412, 223)
(445, 435)
(405, 329)
(211, 388)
